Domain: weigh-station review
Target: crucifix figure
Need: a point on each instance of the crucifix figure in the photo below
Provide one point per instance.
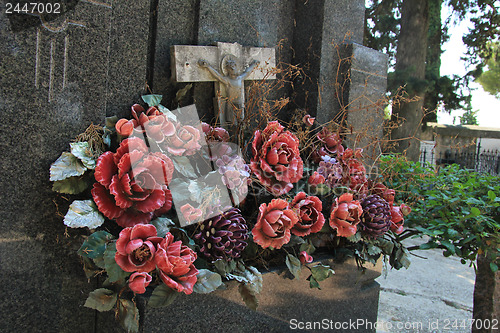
(233, 110)
(222, 64)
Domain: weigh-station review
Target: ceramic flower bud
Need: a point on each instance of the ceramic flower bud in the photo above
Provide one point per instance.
(405, 210)
(223, 236)
(345, 215)
(138, 281)
(190, 213)
(308, 120)
(136, 248)
(274, 222)
(217, 134)
(397, 220)
(126, 127)
(305, 258)
(328, 144)
(376, 218)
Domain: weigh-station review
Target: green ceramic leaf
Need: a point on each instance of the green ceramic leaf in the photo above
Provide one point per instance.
(321, 272)
(248, 296)
(152, 100)
(67, 165)
(101, 299)
(163, 225)
(355, 238)
(82, 151)
(95, 245)
(293, 264)
(295, 240)
(83, 213)
(71, 185)
(111, 122)
(373, 250)
(308, 247)
(207, 282)
(115, 273)
(162, 296)
(128, 315)
(322, 189)
(313, 283)
(170, 115)
(183, 165)
(223, 267)
(182, 92)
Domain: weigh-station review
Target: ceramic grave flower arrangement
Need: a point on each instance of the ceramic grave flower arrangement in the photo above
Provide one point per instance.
(171, 206)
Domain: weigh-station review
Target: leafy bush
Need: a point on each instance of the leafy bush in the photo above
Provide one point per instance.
(458, 209)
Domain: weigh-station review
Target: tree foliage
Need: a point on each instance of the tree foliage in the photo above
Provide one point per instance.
(469, 118)
(490, 78)
(382, 32)
(485, 17)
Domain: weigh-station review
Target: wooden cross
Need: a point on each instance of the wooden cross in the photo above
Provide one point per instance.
(228, 65)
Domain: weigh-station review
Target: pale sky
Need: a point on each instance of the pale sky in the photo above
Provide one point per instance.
(488, 105)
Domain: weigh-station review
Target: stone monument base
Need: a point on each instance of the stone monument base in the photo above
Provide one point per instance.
(348, 298)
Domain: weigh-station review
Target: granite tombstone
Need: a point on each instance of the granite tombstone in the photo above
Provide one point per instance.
(57, 75)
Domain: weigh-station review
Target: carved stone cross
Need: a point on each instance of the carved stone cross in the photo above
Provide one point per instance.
(228, 65)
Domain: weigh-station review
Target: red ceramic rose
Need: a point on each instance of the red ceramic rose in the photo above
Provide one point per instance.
(276, 158)
(274, 222)
(356, 176)
(182, 140)
(308, 210)
(345, 215)
(175, 263)
(190, 213)
(126, 127)
(316, 178)
(384, 192)
(217, 134)
(136, 248)
(137, 282)
(132, 183)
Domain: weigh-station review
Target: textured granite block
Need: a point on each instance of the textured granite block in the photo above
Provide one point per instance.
(321, 27)
(366, 82)
(176, 24)
(56, 77)
(348, 295)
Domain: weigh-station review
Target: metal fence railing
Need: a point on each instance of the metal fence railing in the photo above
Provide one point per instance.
(481, 161)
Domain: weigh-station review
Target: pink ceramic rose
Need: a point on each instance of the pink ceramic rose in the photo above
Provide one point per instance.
(136, 248)
(175, 263)
(346, 214)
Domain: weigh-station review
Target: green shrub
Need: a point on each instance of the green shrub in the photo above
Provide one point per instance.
(458, 209)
